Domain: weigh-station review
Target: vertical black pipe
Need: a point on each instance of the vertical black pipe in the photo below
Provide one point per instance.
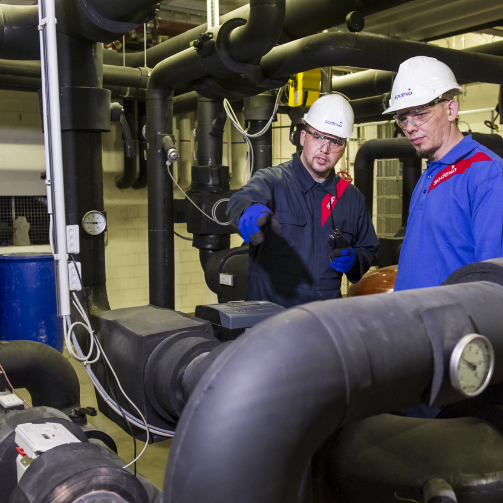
(262, 146)
(129, 175)
(80, 65)
(257, 111)
(500, 103)
(410, 176)
(141, 182)
(209, 145)
(326, 80)
(160, 201)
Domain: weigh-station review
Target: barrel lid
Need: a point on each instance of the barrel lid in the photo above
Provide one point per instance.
(26, 257)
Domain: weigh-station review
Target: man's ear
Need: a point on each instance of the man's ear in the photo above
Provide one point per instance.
(453, 107)
(302, 138)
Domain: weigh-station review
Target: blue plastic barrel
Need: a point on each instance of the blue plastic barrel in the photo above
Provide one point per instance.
(28, 299)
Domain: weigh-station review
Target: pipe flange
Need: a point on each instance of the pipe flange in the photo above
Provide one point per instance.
(223, 52)
(185, 347)
(120, 27)
(489, 270)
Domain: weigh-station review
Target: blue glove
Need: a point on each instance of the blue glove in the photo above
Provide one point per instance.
(253, 220)
(342, 259)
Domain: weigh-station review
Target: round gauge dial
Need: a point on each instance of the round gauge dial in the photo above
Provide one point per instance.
(472, 364)
(94, 222)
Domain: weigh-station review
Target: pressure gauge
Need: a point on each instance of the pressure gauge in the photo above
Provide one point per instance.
(94, 222)
(472, 364)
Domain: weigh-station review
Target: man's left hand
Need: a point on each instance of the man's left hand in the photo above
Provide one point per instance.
(342, 259)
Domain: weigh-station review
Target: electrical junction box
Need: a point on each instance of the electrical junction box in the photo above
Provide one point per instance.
(37, 438)
(304, 88)
(10, 401)
(231, 319)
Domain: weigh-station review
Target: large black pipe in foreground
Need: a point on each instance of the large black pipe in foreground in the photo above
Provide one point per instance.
(43, 371)
(272, 397)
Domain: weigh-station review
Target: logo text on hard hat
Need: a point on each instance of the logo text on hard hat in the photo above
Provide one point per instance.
(407, 93)
(338, 124)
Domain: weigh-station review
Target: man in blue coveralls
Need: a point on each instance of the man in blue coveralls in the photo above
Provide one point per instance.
(307, 226)
(456, 210)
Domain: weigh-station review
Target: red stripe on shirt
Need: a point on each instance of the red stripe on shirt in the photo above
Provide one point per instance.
(457, 169)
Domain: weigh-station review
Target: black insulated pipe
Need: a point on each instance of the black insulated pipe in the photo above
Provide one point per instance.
(130, 173)
(19, 38)
(271, 398)
(43, 371)
(209, 144)
(364, 84)
(374, 51)
(261, 32)
(411, 172)
(301, 18)
(386, 148)
(257, 111)
(177, 69)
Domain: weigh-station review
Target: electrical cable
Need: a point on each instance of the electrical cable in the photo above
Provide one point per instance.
(214, 219)
(12, 388)
(113, 404)
(183, 237)
(131, 431)
(246, 136)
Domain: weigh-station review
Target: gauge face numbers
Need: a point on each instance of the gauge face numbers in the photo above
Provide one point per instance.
(472, 364)
(94, 222)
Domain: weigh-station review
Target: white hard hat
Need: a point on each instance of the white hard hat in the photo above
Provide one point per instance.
(420, 80)
(331, 114)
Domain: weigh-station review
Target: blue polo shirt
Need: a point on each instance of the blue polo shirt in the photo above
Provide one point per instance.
(455, 216)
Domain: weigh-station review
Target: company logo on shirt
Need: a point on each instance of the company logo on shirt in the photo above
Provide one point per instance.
(406, 93)
(457, 169)
(329, 201)
(338, 124)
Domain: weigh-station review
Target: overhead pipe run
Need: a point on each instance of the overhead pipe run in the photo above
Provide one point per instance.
(301, 18)
(19, 37)
(43, 371)
(376, 51)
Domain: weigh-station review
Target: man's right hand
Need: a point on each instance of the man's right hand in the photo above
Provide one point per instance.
(253, 220)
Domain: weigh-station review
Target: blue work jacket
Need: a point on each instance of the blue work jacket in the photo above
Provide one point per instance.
(455, 216)
(293, 268)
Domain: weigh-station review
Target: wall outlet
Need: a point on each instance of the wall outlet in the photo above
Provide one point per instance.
(73, 277)
(72, 239)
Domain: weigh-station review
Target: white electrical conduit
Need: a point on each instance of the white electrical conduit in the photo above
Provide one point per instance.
(53, 149)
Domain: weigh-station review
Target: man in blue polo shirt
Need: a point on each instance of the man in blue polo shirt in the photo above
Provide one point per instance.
(456, 210)
(307, 226)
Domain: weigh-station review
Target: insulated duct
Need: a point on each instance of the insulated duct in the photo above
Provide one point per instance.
(43, 371)
(373, 51)
(271, 398)
(301, 18)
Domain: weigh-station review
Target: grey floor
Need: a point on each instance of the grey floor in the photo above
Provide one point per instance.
(152, 464)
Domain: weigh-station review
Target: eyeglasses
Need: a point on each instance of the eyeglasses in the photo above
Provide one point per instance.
(418, 116)
(334, 144)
